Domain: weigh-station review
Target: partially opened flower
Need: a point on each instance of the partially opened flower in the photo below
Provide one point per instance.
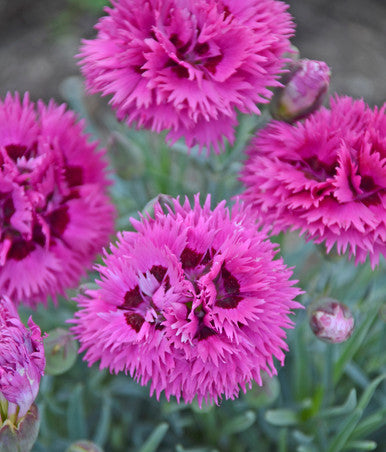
(192, 302)
(305, 87)
(22, 363)
(325, 176)
(54, 211)
(187, 65)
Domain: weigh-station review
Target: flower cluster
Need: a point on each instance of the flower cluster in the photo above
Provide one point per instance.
(52, 199)
(193, 301)
(325, 176)
(186, 65)
(22, 363)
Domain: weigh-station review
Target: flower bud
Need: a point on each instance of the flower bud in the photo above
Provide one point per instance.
(261, 396)
(305, 87)
(293, 53)
(331, 321)
(23, 436)
(84, 446)
(22, 364)
(164, 201)
(61, 351)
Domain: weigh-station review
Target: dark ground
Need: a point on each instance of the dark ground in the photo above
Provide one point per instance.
(38, 39)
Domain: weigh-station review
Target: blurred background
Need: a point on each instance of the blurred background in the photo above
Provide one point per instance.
(39, 38)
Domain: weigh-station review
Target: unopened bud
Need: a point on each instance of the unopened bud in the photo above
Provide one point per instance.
(22, 364)
(84, 446)
(61, 351)
(293, 53)
(261, 396)
(20, 437)
(305, 87)
(164, 201)
(331, 321)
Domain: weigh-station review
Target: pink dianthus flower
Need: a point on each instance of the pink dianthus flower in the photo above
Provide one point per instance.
(186, 65)
(22, 363)
(55, 215)
(193, 302)
(325, 176)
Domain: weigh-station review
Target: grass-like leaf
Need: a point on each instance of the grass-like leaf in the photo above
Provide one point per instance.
(353, 345)
(281, 417)
(154, 440)
(76, 419)
(348, 426)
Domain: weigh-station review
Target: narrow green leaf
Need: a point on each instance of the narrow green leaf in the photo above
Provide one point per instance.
(369, 391)
(180, 448)
(305, 449)
(302, 438)
(122, 388)
(76, 419)
(361, 445)
(154, 440)
(240, 423)
(282, 446)
(356, 374)
(347, 406)
(301, 377)
(345, 431)
(370, 424)
(281, 417)
(353, 344)
(200, 410)
(102, 429)
(348, 426)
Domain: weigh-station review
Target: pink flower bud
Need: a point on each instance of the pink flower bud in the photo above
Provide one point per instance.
(305, 87)
(84, 446)
(22, 363)
(331, 321)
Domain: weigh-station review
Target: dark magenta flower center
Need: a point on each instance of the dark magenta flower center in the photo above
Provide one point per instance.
(318, 170)
(136, 303)
(197, 264)
(55, 213)
(228, 288)
(198, 55)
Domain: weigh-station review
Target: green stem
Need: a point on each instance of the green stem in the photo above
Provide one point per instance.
(282, 447)
(327, 376)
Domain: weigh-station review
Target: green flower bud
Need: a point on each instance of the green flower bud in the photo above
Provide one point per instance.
(61, 350)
